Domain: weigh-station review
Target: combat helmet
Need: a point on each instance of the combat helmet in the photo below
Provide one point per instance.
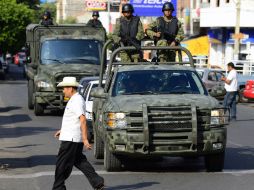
(127, 8)
(168, 6)
(95, 13)
(47, 14)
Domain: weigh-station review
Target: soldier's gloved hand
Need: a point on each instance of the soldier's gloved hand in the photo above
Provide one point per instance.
(157, 34)
(172, 44)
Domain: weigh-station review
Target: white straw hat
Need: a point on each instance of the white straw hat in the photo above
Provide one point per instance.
(69, 81)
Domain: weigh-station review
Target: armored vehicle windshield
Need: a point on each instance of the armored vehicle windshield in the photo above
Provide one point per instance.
(158, 82)
(70, 51)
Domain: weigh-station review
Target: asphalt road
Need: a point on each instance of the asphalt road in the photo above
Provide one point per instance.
(28, 153)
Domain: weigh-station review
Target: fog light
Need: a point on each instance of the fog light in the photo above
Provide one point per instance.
(120, 147)
(217, 146)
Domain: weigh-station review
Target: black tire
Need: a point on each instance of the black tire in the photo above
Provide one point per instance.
(30, 94)
(242, 99)
(98, 149)
(89, 136)
(2, 76)
(38, 109)
(112, 161)
(214, 162)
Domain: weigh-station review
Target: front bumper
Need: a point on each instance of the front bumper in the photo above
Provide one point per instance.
(53, 100)
(175, 130)
(171, 144)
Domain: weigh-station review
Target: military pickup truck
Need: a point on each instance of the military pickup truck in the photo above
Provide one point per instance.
(54, 52)
(156, 109)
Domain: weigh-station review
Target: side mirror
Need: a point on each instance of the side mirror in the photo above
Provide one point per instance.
(98, 92)
(217, 91)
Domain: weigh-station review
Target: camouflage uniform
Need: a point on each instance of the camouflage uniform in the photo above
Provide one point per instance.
(130, 55)
(94, 23)
(46, 22)
(165, 55)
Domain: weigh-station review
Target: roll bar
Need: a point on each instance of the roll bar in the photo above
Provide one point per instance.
(179, 49)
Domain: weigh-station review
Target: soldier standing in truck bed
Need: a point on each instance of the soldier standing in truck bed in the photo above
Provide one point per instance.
(95, 22)
(166, 31)
(129, 32)
(46, 20)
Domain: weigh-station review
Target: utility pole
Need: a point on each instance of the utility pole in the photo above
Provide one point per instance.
(237, 29)
(109, 18)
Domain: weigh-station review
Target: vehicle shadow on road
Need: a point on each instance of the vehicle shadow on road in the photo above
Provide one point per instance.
(31, 161)
(9, 132)
(9, 108)
(166, 164)
(10, 119)
(239, 158)
(133, 186)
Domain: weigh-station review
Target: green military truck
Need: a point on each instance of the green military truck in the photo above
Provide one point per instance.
(55, 52)
(154, 109)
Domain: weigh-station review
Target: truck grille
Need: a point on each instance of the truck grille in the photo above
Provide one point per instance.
(170, 128)
(165, 119)
(170, 118)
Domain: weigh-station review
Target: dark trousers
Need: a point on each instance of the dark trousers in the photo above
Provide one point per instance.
(230, 102)
(69, 155)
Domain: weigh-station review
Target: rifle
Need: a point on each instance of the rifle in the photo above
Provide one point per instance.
(131, 41)
(164, 35)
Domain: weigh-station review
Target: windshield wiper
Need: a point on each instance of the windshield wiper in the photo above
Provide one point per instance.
(181, 92)
(142, 93)
(56, 60)
(83, 60)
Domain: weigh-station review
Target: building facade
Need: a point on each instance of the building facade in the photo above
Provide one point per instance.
(81, 11)
(220, 18)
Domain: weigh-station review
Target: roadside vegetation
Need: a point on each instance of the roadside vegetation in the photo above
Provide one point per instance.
(14, 17)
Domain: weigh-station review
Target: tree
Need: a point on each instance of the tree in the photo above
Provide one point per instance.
(31, 3)
(14, 18)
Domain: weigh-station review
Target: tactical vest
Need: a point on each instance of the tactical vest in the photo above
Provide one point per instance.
(129, 27)
(97, 24)
(47, 22)
(169, 30)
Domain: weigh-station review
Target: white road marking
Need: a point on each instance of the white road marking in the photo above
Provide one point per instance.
(235, 144)
(78, 173)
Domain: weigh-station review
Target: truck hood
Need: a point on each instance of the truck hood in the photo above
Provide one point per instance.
(134, 102)
(53, 69)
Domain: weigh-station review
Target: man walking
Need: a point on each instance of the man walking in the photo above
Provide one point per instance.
(73, 136)
(166, 31)
(231, 88)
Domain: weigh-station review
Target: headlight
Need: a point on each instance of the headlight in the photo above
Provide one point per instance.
(218, 117)
(89, 116)
(43, 84)
(116, 120)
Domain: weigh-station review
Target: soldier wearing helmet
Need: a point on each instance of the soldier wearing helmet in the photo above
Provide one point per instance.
(128, 32)
(46, 20)
(95, 22)
(166, 31)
